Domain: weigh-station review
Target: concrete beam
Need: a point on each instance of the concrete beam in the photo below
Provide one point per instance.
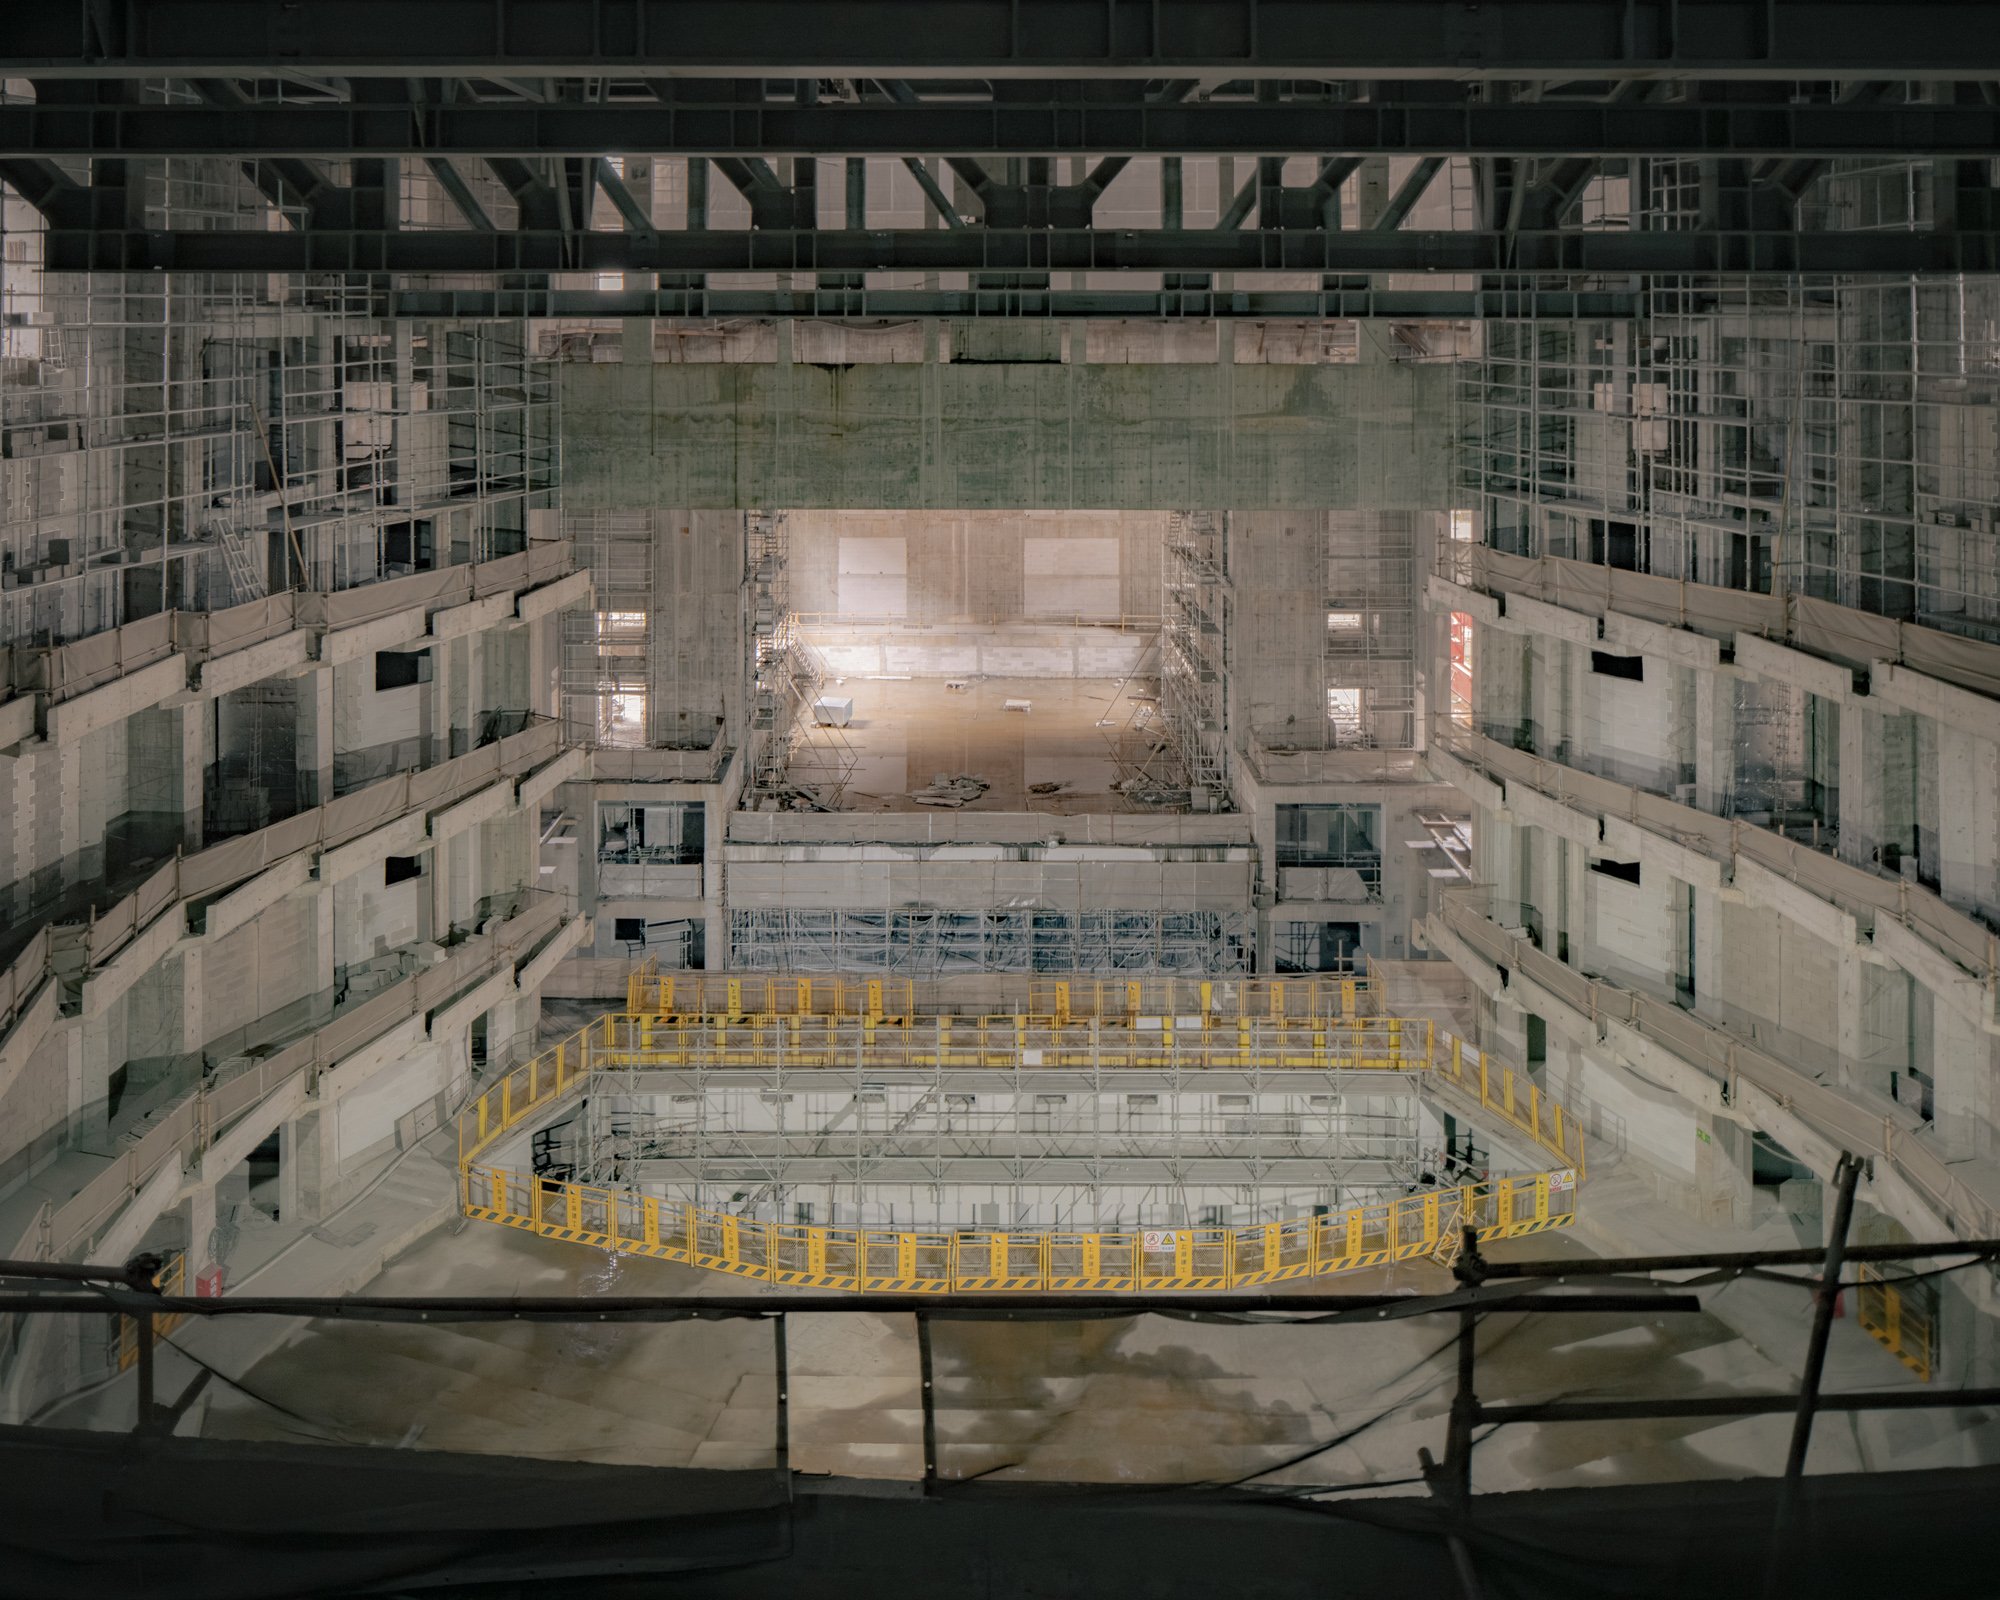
(150, 946)
(121, 1241)
(242, 905)
(495, 800)
(100, 708)
(1555, 621)
(1481, 790)
(338, 1082)
(1441, 594)
(546, 779)
(250, 1130)
(1637, 636)
(1782, 664)
(1531, 806)
(1690, 866)
(32, 1024)
(1942, 702)
(241, 668)
(1760, 886)
(365, 638)
(403, 837)
(1946, 979)
(536, 972)
(17, 721)
(1653, 1062)
(455, 622)
(564, 592)
(449, 1019)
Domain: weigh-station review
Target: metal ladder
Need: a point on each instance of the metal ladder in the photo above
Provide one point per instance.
(242, 571)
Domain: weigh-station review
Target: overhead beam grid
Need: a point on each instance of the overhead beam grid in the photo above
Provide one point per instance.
(73, 248)
(1045, 125)
(1439, 39)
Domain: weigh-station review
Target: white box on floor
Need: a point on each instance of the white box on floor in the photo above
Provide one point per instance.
(1019, 705)
(833, 711)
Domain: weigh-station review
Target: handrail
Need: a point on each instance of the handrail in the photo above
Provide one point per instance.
(955, 1261)
(1960, 938)
(232, 861)
(178, 1130)
(651, 991)
(928, 1261)
(1733, 1063)
(1823, 628)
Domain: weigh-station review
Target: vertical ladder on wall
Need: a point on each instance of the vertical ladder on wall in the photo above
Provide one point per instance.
(236, 561)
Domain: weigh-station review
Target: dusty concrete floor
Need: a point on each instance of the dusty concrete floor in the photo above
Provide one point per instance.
(1149, 1399)
(906, 732)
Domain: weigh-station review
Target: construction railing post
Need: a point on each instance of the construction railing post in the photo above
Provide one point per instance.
(783, 1380)
(929, 1401)
(1826, 1298)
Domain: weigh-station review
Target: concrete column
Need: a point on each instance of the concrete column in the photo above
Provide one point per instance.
(103, 1052)
(1850, 1027)
(201, 1224)
(1968, 783)
(1960, 1069)
(1860, 786)
(1714, 741)
(1876, 783)
(314, 744)
(324, 949)
(190, 962)
(544, 646)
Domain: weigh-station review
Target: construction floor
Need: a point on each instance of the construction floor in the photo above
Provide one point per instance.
(1147, 1399)
(1080, 735)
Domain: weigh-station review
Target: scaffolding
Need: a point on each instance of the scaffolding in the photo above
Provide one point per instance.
(608, 651)
(794, 757)
(923, 941)
(1368, 657)
(1833, 436)
(1194, 649)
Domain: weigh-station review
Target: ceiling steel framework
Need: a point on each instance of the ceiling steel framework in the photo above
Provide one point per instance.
(344, 249)
(1285, 39)
(1046, 125)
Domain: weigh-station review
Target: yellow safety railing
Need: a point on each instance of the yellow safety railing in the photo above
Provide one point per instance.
(1207, 1001)
(1901, 1315)
(807, 1039)
(171, 1279)
(1429, 1223)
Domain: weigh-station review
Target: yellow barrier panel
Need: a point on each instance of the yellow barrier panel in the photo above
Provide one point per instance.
(1336, 1034)
(171, 1279)
(971, 1261)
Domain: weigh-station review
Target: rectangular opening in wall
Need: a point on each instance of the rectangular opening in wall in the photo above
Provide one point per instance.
(1615, 544)
(629, 930)
(398, 669)
(401, 869)
(979, 660)
(1611, 666)
(1624, 871)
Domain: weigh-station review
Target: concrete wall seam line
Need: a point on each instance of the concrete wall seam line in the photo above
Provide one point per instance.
(1840, 885)
(176, 1129)
(1743, 1065)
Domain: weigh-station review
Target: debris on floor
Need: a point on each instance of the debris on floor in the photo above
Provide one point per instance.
(1147, 792)
(1018, 705)
(958, 685)
(1048, 788)
(951, 791)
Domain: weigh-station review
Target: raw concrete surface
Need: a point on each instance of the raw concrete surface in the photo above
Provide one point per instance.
(1151, 1399)
(905, 733)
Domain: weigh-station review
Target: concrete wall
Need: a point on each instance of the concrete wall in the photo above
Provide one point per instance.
(1004, 435)
(977, 566)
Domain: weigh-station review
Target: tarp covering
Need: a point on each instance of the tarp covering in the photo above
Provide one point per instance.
(89, 1515)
